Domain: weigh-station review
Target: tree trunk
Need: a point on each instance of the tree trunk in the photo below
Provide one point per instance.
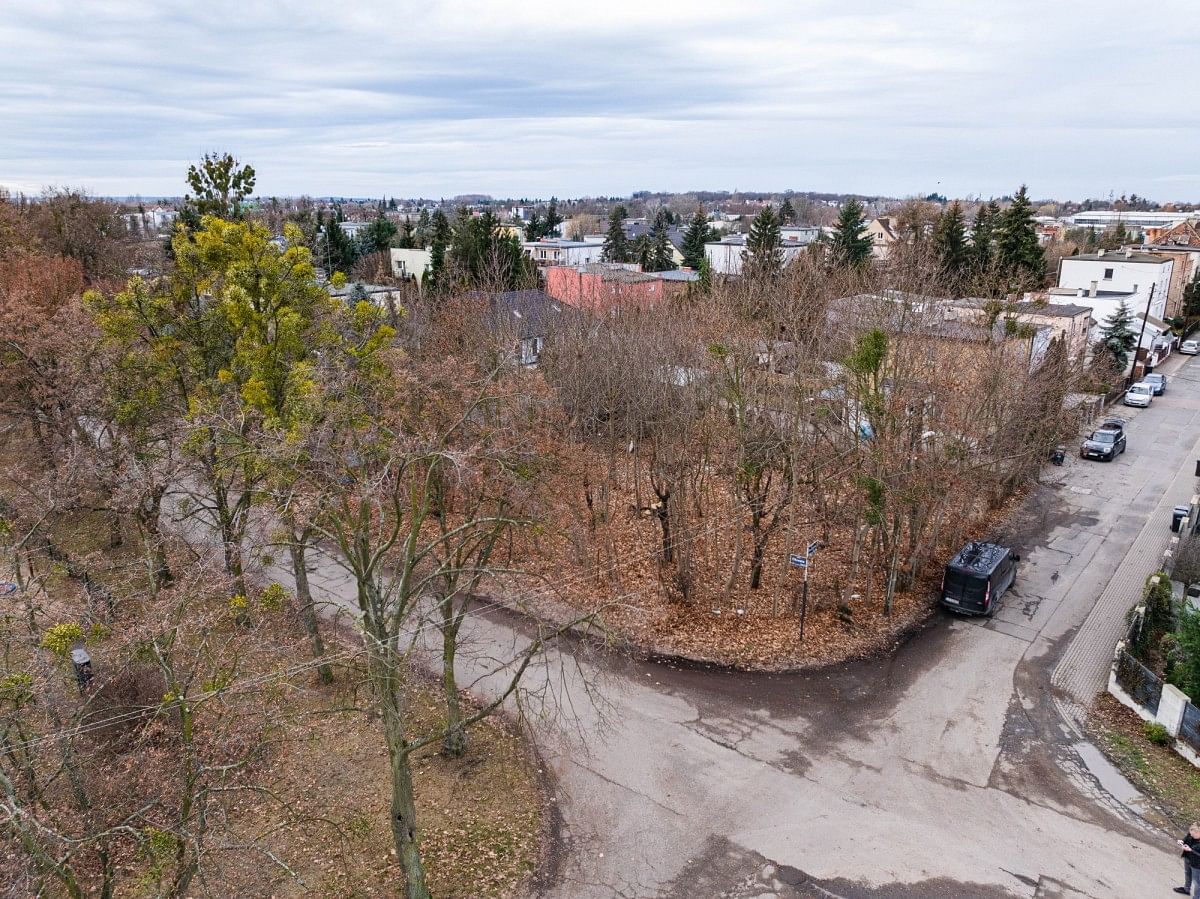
(454, 743)
(297, 546)
(403, 800)
(893, 565)
(149, 512)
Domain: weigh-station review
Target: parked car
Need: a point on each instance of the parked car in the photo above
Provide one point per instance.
(1158, 381)
(1191, 347)
(1106, 442)
(1140, 394)
(977, 577)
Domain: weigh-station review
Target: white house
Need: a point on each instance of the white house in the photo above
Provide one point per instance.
(411, 263)
(555, 251)
(725, 256)
(1132, 219)
(1117, 272)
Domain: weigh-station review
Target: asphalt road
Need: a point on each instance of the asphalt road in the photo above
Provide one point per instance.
(945, 770)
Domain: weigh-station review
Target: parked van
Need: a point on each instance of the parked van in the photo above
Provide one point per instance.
(977, 577)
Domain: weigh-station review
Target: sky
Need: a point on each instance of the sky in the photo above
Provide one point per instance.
(445, 97)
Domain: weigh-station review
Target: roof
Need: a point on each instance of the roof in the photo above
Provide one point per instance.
(1056, 310)
(979, 558)
(558, 242)
(356, 290)
(678, 275)
(609, 271)
(532, 313)
(1087, 294)
(1116, 256)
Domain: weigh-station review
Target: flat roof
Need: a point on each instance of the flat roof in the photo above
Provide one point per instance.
(1115, 256)
(1058, 310)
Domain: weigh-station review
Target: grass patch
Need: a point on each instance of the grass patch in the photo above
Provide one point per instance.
(1170, 781)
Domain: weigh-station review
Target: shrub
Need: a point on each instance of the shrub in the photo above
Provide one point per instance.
(1156, 733)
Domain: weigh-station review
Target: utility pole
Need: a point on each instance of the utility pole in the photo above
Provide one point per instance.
(1138, 346)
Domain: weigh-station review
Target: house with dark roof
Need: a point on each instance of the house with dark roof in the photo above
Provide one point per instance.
(530, 318)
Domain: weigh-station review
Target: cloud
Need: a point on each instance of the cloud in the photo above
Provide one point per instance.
(529, 99)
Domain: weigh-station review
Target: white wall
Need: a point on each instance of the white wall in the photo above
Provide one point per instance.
(1076, 273)
(407, 263)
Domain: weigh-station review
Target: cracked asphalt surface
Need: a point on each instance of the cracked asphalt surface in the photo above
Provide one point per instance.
(944, 770)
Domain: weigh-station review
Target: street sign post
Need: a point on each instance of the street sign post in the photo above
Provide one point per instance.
(803, 562)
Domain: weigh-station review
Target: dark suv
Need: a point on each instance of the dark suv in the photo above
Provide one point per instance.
(1106, 442)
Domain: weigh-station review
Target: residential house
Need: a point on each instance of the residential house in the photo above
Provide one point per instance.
(411, 263)
(1141, 277)
(1067, 322)
(1185, 233)
(608, 286)
(726, 256)
(555, 251)
(530, 317)
(883, 234)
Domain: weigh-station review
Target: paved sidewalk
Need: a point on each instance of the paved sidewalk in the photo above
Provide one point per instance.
(1082, 672)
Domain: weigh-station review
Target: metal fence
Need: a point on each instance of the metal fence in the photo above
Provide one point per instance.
(1189, 727)
(1139, 682)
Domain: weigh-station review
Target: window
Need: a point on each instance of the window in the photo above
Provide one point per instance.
(1108, 273)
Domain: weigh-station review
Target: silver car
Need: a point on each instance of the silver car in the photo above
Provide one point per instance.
(1140, 394)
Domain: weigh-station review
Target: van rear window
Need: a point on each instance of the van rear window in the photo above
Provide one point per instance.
(961, 585)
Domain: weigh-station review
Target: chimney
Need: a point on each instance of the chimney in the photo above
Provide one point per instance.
(1083, 292)
(1129, 254)
(1100, 252)
(1092, 292)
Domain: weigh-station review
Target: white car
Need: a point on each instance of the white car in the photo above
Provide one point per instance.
(1140, 394)
(1191, 347)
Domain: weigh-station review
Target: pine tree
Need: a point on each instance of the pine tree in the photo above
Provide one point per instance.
(787, 212)
(440, 234)
(662, 256)
(616, 244)
(694, 239)
(340, 251)
(642, 252)
(982, 234)
(553, 219)
(849, 245)
(950, 243)
(763, 256)
(424, 230)
(1018, 253)
(535, 228)
(1117, 337)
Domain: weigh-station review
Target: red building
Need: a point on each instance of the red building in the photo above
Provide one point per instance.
(603, 286)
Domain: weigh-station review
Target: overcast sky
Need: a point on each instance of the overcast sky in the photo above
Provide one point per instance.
(436, 98)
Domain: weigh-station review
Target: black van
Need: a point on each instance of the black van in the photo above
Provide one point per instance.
(977, 577)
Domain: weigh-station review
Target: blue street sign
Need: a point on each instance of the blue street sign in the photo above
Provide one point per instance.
(798, 561)
(812, 547)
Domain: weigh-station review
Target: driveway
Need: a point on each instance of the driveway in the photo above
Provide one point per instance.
(952, 768)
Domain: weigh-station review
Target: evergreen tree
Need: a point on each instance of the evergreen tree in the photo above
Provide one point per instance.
(982, 234)
(1018, 253)
(406, 241)
(694, 239)
(440, 233)
(535, 228)
(484, 256)
(662, 256)
(705, 282)
(1191, 297)
(616, 244)
(553, 219)
(340, 251)
(424, 230)
(1117, 337)
(763, 255)
(787, 212)
(378, 235)
(950, 242)
(849, 245)
(642, 252)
